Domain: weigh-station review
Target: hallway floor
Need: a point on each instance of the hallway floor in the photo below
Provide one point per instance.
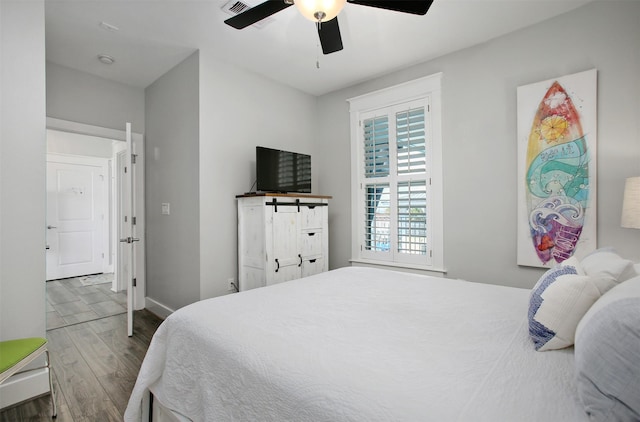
(80, 299)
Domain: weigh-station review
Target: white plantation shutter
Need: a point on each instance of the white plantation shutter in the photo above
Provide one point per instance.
(395, 189)
(410, 137)
(412, 194)
(375, 132)
(376, 146)
(377, 217)
(412, 217)
(397, 152)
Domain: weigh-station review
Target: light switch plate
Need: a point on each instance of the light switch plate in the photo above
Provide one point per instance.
(166, 208)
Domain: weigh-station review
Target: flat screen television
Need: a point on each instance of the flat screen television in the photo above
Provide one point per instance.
(282, 171)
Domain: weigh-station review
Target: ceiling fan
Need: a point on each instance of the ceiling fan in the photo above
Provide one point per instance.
(325, 14)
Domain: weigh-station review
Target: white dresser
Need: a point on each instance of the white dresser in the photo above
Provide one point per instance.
(281, 237)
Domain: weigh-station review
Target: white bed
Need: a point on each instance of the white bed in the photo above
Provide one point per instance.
(358, 344)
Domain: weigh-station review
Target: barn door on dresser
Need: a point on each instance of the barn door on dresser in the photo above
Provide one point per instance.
(286, 260)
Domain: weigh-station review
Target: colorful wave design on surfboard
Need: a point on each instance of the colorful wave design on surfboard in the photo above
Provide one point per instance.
(557, 177)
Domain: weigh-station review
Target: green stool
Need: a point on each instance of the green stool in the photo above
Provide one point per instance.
(16, 354)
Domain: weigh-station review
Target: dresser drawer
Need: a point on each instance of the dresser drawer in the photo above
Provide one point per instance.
(312, 266)
(312, 217)
(311, 243)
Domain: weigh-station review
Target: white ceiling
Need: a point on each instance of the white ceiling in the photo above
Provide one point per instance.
(155, 35)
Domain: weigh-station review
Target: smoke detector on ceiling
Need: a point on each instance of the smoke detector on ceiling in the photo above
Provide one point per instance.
(235, 7)
(106, 59)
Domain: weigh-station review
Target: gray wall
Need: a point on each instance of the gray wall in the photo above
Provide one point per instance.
(171, 151)
(239, 110)
(479, 135)
(22, 158)
(81, 97)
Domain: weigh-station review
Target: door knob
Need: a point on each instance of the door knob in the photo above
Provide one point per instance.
(129, 240)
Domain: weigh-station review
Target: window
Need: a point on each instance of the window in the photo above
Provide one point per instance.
(397, 177)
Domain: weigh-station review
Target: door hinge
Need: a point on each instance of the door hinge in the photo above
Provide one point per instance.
(430, 253)
(125, 218)
(134, 282)
(133, 221)
(125, 170)
(133, 158)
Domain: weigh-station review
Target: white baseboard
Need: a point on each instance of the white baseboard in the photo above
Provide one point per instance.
(23, 387)
(157, 308)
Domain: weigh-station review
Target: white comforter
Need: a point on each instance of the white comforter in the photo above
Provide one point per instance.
(358, 344)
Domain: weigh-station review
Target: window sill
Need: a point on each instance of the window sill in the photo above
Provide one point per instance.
(397, 265)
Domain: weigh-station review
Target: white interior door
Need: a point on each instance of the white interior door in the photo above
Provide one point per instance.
(75, 216)
(122, 272)
(126, 252)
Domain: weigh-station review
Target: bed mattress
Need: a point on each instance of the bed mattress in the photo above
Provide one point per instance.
(358, 344)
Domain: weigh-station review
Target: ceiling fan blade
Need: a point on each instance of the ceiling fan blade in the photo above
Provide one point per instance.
(416, 7)
(257, 13)
(330, 39)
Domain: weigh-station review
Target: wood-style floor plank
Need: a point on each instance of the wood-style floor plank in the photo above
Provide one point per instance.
(84, 393)
(145, 325)
(99, 357)
(133, 349)
(95, 365)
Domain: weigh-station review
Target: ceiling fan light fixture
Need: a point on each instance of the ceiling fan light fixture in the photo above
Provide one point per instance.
(320, 10)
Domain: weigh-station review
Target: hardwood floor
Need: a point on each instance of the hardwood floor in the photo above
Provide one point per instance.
(95, 365)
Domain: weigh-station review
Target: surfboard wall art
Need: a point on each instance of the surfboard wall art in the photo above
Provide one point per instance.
(557, 169)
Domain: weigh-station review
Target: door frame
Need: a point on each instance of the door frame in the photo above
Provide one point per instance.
(138, 150)
(119, 162)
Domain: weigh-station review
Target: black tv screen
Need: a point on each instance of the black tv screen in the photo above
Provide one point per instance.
(282, 171)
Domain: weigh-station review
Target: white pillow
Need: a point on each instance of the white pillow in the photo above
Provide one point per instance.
(607, 355)
(609, 268)
(575, 263)
(558, 302)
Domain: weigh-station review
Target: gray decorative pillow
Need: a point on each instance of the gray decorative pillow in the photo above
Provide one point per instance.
(607, 355)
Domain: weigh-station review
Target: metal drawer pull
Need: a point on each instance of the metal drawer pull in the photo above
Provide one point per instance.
(278, 264)
(313, 260)
(311, 234)
(300, 264)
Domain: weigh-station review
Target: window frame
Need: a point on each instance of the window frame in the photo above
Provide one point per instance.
(424, 91)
